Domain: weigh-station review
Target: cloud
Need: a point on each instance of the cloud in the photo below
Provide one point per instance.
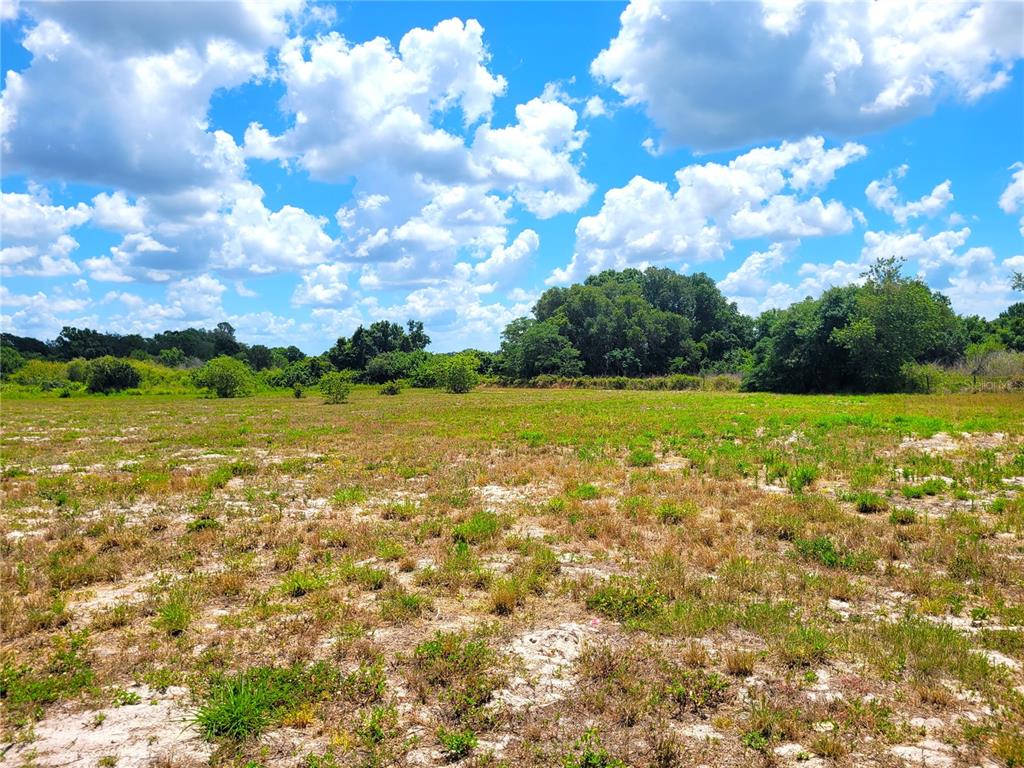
(715, 76)
(758, 194)
(114, 212)
(64, 117)
(534, 158)
(751, 286)
(35, 239)
(324, 286)
(596, 107)
(1012, 199)
(885, 197)
(503, 260)
(354, 102)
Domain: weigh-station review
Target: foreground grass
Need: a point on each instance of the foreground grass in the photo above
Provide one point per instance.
(521, 577)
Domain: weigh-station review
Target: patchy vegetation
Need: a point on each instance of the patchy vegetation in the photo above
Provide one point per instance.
(529, 577)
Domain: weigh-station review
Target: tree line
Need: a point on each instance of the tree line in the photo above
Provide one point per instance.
(872, 336)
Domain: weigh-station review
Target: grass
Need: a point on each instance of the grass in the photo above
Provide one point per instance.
(568, 567)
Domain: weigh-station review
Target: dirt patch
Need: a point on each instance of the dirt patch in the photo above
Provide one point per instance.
(137, 735)
(546, 656)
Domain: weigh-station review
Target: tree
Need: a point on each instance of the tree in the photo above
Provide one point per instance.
(335, 387)
(225, 377)
(530, 348)
(897, 321)
(259, 357)
(108, 374)
(172, 357)
(379, 338)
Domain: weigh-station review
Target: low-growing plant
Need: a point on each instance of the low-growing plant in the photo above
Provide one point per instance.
(801, 477)
(627, 600)
(456, 744)
(391, 388)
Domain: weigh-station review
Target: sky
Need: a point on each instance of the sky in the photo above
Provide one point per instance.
(298, 169)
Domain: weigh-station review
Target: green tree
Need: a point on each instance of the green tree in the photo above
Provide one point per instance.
(225, 377)
(530, 348)
(897, 320)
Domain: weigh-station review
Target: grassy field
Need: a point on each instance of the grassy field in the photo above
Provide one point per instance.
(582, 579)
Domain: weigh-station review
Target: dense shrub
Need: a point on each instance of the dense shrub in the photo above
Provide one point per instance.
(389, 366)
(335, 387)
(10, 361)
(459, 375)
(108, 374)
(225, 377)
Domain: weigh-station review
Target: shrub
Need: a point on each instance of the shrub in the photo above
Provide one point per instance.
(225, 377)
(335, 387)
(459, 375)
(10, 361)
(391, 388)
(108, 374)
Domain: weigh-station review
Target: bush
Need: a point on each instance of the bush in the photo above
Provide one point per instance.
(389, 366)
(391, 388)
(335, 387)
(42, 373)
(225, 377)
(459, 375)
(10, 361)
(108, 374)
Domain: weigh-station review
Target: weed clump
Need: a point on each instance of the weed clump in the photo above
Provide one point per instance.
(628, 600)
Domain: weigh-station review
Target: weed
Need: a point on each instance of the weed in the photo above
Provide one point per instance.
(627, 600)
(456, 744)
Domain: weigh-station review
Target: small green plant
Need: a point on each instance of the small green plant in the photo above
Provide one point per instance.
(297, 392)
(627, 600)
(242, 706)
(671, 513)
(480, 526)
(351, 495)
(641, 457)
(299, 583)
(202, 523)
(902, 516)
(588, 752)
(125, 698)
(455, 744)
(335, 387)
(585, 492)
(398, 605)
(174, 616)
(697, 691)
(801, 477)
(869, 503)
(391, 388)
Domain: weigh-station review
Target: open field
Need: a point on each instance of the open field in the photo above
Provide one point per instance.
(514, 577)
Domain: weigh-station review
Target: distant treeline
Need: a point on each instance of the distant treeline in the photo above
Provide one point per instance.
(619, 326)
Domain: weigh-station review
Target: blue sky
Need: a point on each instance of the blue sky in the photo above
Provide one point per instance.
(297, 169)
